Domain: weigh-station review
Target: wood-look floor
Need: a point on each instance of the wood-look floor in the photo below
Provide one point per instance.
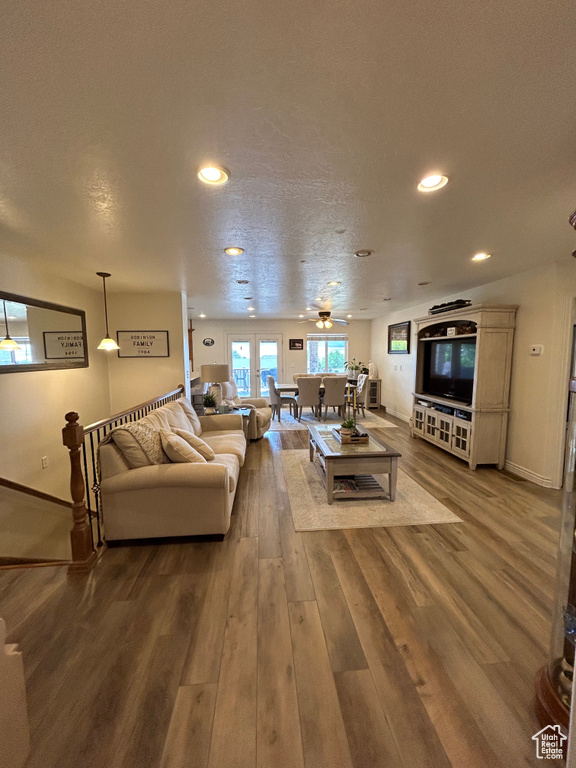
(403, 647)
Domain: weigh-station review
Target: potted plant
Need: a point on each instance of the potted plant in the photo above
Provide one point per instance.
(348, 426)
(353, 368)
(209, 403)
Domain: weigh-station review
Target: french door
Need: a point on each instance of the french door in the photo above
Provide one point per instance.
(252, 358)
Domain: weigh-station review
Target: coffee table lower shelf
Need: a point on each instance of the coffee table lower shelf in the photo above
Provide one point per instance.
(367, 487)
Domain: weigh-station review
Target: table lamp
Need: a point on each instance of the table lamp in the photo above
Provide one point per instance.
(215, 374)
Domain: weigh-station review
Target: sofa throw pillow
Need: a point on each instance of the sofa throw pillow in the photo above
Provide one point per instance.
(230, 393)
(197, 443)
(178, 450)
(140, 444)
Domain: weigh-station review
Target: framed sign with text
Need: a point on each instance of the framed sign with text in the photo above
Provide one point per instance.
(143, 343)
(63, 345)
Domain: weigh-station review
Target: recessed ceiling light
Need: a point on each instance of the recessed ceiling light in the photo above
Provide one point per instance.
(250, 309)
(363, 254)
(300, 315)
(251, 315)
(242, 282)
(318, 298)
(340, 231)
(247, 298)
(12, 317)
(424, 283)
(234, 251)
(308, 309)
(363, 309)
(302, 261)
(213, 174)
(201, 315)
(432, 183)
(334, 282)
(481, 256)
(388, 298)
(348, 315)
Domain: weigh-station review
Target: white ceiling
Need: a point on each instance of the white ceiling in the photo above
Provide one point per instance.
(327, 115)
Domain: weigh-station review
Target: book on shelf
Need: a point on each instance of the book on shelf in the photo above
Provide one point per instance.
(345, 486)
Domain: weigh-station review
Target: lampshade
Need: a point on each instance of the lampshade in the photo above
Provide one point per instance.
(108, 343)
(8, 344)
(216, 373)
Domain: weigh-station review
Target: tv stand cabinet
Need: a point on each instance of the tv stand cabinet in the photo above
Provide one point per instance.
(474, 431)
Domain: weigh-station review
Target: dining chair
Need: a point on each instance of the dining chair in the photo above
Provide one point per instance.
(297, 376)
(308, 394)
(361, 390)
(277, 400)
(334, 395)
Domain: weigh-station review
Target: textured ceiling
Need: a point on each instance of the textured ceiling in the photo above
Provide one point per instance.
(327, 115)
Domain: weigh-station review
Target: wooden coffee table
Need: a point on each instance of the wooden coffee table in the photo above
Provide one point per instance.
(358, 461)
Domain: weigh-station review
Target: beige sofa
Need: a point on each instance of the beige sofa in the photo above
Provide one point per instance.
(261, 415)
(173, 499)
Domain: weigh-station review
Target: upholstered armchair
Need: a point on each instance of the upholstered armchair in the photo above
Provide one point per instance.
(261, 415)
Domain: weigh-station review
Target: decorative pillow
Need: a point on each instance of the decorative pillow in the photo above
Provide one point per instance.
(140, 444)
(195, 442)
(230, 393)
(178, 450)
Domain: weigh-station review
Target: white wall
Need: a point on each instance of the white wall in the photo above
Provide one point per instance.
(135, 380)
(34, 403)
(538, 387)
(358, 333)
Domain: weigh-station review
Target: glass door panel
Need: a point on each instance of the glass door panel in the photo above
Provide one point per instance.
(253, 357)
(242, 366)
(268, 364)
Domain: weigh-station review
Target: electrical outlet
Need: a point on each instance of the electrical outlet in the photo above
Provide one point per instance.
(44, 462)
(536, 349)
(400, 367)
(395, 367)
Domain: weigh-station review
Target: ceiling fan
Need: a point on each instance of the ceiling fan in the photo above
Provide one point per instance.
(325, 321)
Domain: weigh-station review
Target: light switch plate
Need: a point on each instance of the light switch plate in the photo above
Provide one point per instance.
(536, 349)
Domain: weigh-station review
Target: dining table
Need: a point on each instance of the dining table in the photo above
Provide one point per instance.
(293, 389)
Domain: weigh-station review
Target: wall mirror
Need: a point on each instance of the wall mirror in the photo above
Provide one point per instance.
(45, 336)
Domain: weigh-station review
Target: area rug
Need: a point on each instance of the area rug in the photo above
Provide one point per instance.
(311, 511)
(288, 422)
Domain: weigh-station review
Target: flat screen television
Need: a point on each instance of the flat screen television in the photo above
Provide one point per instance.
(449, 368)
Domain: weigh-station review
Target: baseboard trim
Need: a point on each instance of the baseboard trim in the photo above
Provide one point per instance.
(33, 492)
(397, 414)
(526, 474)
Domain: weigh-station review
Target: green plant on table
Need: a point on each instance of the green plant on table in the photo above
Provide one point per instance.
(209, 400)
(352, 365)
(349, 424)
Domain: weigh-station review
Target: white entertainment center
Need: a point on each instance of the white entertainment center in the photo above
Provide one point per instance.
(462, 388)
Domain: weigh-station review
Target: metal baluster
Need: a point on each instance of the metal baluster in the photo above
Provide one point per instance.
(88, 495)
(96, 485)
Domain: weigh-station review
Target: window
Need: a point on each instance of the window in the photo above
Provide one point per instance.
(326, 354)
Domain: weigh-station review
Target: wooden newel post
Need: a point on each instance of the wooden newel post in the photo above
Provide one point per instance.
(83, 556)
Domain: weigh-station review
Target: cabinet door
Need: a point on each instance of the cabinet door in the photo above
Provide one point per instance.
(444, 425)
(461, 435)
(418, 419)
(430, 422)
(374, 394)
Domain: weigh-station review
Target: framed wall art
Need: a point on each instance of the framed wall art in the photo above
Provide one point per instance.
(143, 343)
(399, 339)
(296, 343)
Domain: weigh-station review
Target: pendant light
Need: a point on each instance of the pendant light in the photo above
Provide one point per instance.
(7, 343)
(107, 342)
